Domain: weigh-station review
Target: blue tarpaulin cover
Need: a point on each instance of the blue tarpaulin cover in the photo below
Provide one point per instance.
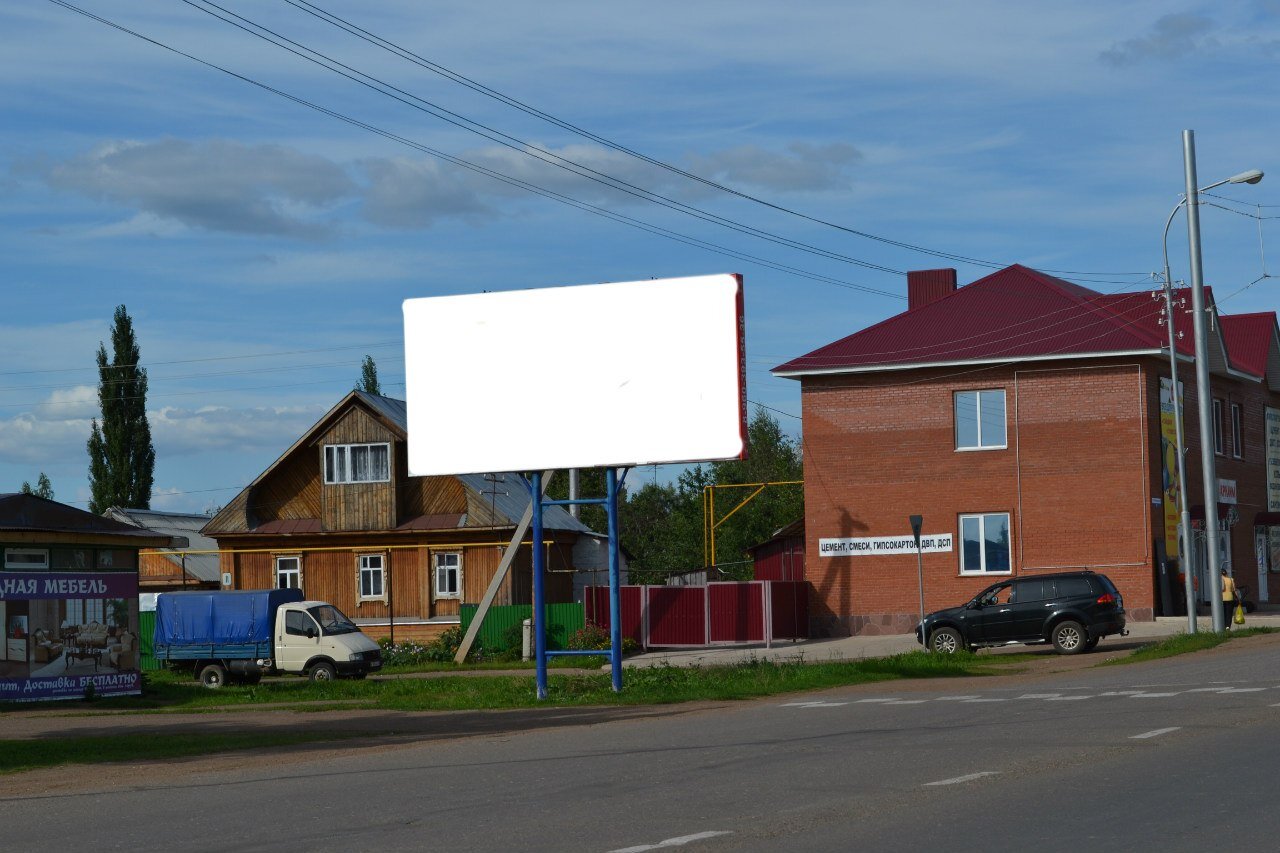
(203, 618)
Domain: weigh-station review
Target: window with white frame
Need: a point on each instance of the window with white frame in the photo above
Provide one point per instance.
(980, 422)
(288, 573)
(26, 559)
(371, 580)
(984, 544)
(1237, 431)
(357, 463)
(1217, 427)
(448, 575)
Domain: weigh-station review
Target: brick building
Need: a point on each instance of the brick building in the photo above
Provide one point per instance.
(1020, 415)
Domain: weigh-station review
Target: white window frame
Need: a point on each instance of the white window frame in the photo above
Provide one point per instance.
(339, 463)
(982, 539)
(295, 571)
(438, 572)
(11, 564)
(1237, 431)
(365, 566)
(977, 397)
(1218, 447)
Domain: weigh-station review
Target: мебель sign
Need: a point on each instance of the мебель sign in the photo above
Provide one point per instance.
(865, 546)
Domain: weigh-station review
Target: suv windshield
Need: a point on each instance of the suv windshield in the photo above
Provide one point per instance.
(331, 619)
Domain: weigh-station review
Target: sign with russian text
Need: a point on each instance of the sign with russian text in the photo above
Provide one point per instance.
(1227, 493)
(1170, 490)
(877, 545)
(1272, 446)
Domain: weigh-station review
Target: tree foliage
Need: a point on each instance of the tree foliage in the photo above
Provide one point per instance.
(43, 489)
(369, 377)
(121, 456)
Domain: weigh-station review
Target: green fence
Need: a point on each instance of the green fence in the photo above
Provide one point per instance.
(146, 641)
(562, 621)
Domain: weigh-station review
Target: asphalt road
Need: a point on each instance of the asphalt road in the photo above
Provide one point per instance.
(1175, 755)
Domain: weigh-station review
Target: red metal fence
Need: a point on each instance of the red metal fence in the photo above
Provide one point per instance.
(716, 614)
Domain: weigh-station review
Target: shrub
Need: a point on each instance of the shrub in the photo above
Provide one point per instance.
(412, 653)
(593, 637)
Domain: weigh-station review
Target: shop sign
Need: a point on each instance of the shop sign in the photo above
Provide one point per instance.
(1226, 491)
(878, 545)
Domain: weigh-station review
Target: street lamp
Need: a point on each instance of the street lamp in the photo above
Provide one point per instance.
(1203, 392)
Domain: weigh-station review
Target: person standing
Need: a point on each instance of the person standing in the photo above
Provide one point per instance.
(1228, 599)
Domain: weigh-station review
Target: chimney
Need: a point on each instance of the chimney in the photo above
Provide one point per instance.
(926, 286)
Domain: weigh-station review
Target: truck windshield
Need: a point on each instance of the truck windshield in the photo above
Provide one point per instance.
(331, 620)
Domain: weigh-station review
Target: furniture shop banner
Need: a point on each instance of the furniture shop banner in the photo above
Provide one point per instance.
(67, 632)
(1272, 445)
(1170, 490)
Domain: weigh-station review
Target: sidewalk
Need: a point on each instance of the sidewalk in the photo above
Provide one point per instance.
(853, 648)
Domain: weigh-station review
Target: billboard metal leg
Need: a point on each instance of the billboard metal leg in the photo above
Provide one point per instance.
(539, 608)
(615, 592)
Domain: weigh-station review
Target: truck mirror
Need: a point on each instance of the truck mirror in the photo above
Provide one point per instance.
(311, 633)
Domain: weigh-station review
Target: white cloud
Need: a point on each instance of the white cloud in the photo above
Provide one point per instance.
(1171, 37)
(803, 167)
(211, 429)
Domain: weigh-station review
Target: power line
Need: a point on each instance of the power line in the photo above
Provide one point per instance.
(410, 56)
(491, 173)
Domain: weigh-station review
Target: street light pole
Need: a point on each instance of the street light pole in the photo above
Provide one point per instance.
(1188, 552)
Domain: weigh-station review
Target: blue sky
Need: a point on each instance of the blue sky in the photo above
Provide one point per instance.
(263, 248)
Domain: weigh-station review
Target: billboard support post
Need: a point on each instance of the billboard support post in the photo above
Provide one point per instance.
(917, 521)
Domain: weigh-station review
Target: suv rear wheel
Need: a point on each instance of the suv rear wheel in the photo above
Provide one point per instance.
(1070, 637)
(947, 641)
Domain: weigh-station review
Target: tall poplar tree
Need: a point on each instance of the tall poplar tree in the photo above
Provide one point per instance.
(369, 377)
(122, 459)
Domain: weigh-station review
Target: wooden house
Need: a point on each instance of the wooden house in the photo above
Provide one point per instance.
(339, 516)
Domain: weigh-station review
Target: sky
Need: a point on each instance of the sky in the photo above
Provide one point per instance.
(262, 217)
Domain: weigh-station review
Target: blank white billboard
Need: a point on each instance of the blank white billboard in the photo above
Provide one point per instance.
(632, 373)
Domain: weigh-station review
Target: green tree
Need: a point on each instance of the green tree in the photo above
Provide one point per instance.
(591, 484)
(122, 458)
(369, 377)
(43, 489)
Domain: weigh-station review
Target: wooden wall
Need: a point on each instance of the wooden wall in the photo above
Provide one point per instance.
(291, 491)
(358, 506)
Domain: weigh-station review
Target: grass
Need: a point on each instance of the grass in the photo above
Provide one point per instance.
(1181, 644)
(19, 755)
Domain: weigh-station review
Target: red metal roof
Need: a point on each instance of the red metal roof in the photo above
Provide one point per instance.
(1019, 313)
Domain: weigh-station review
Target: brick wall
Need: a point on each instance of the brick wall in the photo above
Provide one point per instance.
(1074, 479)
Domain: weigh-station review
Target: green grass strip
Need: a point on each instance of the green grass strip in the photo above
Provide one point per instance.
(19, 755)
(1181, 644)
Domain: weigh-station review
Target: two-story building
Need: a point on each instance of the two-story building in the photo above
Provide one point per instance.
(1020, 415)
(338, 516)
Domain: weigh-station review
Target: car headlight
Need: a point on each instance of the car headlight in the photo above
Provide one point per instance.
(355, 656)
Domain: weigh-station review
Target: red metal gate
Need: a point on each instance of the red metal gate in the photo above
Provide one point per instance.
(723, 613)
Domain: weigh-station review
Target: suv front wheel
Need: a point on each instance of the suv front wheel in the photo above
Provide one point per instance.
(1070, 638)
(946, 641)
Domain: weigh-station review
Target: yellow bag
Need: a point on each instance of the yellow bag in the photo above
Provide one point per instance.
(1239, 617)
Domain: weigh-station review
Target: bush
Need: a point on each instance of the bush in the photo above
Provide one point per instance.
(592, 637)
(412, 653)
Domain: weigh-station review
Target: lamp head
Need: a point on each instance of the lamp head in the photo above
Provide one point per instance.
(1250, 177)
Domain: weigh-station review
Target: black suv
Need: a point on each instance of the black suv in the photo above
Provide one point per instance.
(1072, 610)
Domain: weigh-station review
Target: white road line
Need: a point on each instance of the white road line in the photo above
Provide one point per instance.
(890, 699)
(1205, 690)
(1067, 698)
(907, 702)
(1242, 690)
(1124, 692)
(672, 842)
(956, 698)
(1154, 733)
(1152, 695)
(1039, 696)
(984, 700)
(957, 780)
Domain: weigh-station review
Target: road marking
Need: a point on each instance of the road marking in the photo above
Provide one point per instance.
(1067, 698)
(907, 702)
(1154, 733)
(1205, 690)
(679, 841)
(890, 699)
(957, 780)
(984, 700)
(1039, 695)
(1151, 695)
(814, 704)
(1124, 692)
(956, 698)
(1242, 690)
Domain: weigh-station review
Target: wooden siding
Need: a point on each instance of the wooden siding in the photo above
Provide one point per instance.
(232, 518)
(425, 495)
(291, 491)
(358, 506)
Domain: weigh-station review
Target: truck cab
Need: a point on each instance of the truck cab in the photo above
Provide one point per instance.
(315, 638)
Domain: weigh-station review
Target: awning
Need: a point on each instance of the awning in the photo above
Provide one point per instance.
(1224, 510)
(1267, 519)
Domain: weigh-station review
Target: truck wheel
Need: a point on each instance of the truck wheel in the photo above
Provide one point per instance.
(213, 676)
(322, 671)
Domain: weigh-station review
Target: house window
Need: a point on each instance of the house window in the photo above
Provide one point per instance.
(288, 573)
(357, 463)
(371, 577)
(980, 420)
(1237, 432)
(26, 559)
(984, 543)
(1217, 427)
(448, 575)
